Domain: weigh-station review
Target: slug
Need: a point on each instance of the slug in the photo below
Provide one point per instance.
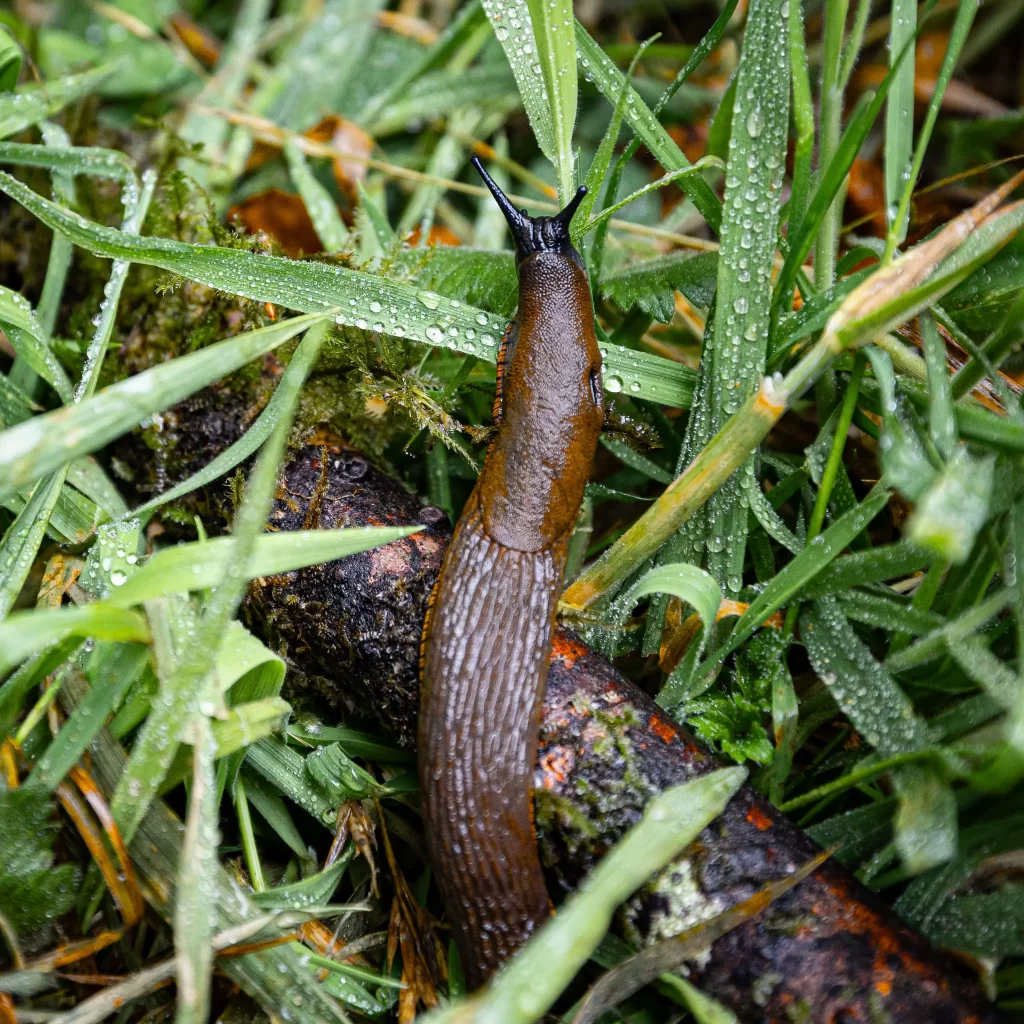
(487, 638)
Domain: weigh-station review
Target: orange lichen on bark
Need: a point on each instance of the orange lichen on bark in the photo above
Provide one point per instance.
(759, 819)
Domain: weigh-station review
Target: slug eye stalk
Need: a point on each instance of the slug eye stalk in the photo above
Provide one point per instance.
(534, 234)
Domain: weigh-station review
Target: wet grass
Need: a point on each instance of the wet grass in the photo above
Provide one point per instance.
(808, 276)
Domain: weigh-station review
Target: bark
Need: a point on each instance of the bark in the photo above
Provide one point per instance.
(827, 951)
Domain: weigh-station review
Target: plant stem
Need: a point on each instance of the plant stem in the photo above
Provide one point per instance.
(835, 458)
(252, 854)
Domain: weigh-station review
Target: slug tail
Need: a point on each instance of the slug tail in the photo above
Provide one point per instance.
(484, 669)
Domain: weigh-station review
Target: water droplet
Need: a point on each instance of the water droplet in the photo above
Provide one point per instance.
(435, 334)
(613, 384)
(754, 123)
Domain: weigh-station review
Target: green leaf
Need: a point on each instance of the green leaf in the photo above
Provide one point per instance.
(926, 819)
(194, 910)
(43, 443)
(950, 514)
(30, 104)
(514, 29)
(10, 60)
(112, 669)
(599, 68)
(825, 548)
(941, 421)
(985, 924)
(552, 23)
(22, 539)
(865, 692)
(651, 284)
(527, 987)
(899, 112)
(24, 633)
(88, 160)
(340, 777)
(31, 342)
(904, 463)
(320, 205)
(737, 346)
(314, 891)
(201, 564)
(32, 891)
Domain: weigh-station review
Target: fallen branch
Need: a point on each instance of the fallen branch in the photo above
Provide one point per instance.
(826, 950)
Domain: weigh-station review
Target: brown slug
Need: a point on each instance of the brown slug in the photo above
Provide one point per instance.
(487, 638)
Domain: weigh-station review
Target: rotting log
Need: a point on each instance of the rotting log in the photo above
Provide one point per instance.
(827, 951)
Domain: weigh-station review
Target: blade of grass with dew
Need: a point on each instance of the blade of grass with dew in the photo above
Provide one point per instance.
(514, 29)
(825, 222)
(941, 421)
(88, 160)
(863, 688)
(285, 770)
(885, 562)
(30, 104)
(23, 633)
(934, 645)
(803, 120)
(330, 228)
(529, 984)
(197, 880)
(43, 443)
(59, 260)
(966, 11)
(804, 567)
(899, 118)
(357, 299)
(555, 39)
(31, 342)
(112, 670)
(199, 565)
(750, 220)
(599, 68)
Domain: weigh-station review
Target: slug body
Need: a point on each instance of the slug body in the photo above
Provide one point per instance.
(487, 639)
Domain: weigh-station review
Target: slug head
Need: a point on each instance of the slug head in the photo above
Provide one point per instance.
(536, 234)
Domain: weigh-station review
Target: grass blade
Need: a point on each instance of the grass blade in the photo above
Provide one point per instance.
(599, 68)
(41, 444)
(528, 986)
(514, 29)
(552, 22)
(864, 690)
(200, 565)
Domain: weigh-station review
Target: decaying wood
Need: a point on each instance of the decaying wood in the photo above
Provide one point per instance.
(827, 951)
